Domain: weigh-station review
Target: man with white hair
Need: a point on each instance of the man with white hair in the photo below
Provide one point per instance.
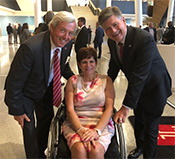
(29, 84)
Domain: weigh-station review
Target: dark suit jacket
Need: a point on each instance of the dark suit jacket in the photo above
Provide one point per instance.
(82, 39)
(9, 29)
(99, 34)
(155, 32)
(27, 80)
(169, 35)
(147, 75)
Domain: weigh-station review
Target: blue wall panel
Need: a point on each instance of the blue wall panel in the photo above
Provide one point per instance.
(127, 7)
(5, 20)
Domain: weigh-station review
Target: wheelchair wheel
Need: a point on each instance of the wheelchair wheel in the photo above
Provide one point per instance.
(121, 142)
(57, 146)
(52, 145)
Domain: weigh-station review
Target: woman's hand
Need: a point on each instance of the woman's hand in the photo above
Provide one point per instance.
(88, 138)
(89, 135)
(88, 145)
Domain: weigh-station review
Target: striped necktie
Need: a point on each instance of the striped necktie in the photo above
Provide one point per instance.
(121, 51)
(56, 79)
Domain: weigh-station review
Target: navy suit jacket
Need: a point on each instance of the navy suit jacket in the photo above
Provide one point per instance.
(145, 70)
(99, 34)
(82, 39)
(27, 80)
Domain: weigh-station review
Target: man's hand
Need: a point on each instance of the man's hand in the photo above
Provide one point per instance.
(121, 115)
(20, 119)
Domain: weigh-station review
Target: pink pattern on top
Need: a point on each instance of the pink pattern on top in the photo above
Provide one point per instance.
(74, 79)
(91, 126)
(81, 117)
(96, 82)
(89, 107)
(79, 97)
(111, 123)
(75, 136)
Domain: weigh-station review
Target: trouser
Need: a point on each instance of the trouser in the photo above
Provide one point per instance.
(10, 38)
(99, 45)
(89, 39)
(15, 39)
(36, 137)
(146, 128)
(19, 35)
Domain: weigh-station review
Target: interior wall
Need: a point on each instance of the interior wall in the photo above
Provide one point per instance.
(14, 20)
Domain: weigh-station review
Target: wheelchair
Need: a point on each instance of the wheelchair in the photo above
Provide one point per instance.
(57, 145)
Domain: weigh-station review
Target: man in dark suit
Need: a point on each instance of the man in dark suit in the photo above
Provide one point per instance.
(152, 30)
(82, 37)
(89, 34)
(149, 83)
(98, 40)
(29, 84)
(169, 35)
(9, 30)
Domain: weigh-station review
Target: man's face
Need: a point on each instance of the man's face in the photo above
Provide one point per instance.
(62, 34)
(80, 23)
(115, 28)
(170, 24)
(151, 25)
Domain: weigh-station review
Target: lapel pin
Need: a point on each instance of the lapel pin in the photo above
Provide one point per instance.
(129, 46)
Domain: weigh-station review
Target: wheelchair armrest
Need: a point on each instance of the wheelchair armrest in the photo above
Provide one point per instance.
(122, 141)
(61, 113)
(114, 111)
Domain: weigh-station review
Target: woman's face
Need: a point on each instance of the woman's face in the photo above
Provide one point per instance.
(88, 66)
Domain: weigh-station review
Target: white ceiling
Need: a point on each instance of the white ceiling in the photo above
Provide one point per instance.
(27, 8)
(26, 5)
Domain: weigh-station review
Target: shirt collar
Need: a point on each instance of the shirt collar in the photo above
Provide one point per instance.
(82, 27)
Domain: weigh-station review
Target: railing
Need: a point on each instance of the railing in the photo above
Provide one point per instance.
(95, 11)
(170, 104)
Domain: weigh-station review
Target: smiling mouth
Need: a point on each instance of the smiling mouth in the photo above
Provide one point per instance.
(116, 34)
(63, 41)
(88, 69)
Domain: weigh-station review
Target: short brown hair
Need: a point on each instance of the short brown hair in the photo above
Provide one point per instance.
(87, 53)
(82, 19)
(108, 12)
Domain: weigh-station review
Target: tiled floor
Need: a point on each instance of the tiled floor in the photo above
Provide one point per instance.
(11, 143)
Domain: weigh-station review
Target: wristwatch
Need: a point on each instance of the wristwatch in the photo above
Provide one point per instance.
(98, 131)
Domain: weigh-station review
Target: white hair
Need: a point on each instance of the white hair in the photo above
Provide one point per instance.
(62, 16)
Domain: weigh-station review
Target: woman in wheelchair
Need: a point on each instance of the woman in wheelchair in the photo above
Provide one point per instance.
(89, 98)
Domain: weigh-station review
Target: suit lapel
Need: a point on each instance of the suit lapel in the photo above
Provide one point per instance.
(65, 55)
(46, 51)
(114, 52)
(79, 33)
(128, 45)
